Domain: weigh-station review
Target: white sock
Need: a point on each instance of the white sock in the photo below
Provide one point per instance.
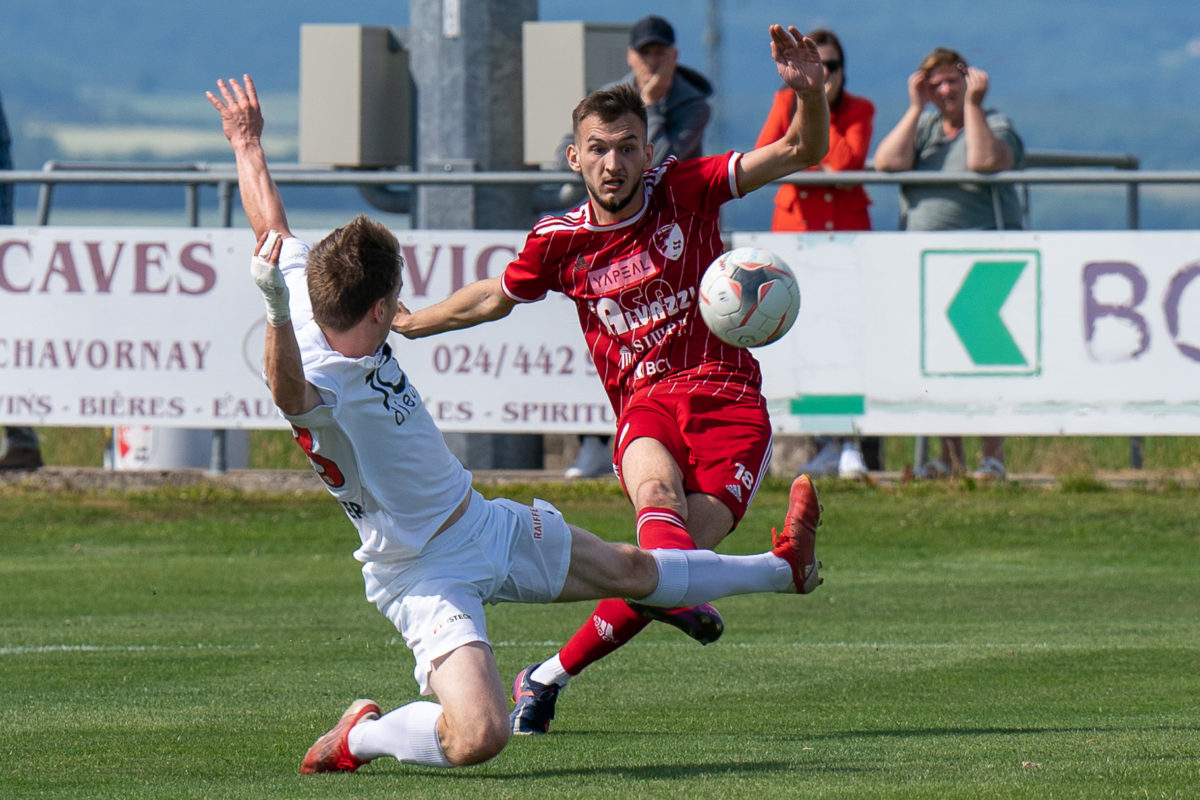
(690, 577)
(551, 671)
(408, 733)
(673, 577)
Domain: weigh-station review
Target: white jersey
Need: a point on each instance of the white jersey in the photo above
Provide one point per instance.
(371, 440)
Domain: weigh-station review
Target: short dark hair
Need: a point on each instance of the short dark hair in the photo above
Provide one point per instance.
(609, 105)
(350, 269)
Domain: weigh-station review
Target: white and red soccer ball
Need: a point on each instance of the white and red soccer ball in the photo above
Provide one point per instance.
(749, 297)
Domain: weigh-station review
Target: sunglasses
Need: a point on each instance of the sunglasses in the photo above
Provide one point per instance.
(833, 64)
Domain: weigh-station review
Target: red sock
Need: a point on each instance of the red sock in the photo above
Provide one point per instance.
(611, 625)
(614, 623)
(662, 528)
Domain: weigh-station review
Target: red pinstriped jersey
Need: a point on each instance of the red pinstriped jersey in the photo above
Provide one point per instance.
(636, 283)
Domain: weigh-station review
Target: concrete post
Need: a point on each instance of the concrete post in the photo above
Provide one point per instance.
(466, 69)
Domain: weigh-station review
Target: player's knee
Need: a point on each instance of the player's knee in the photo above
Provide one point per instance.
(635, 570)
(480, 742)
(656, 493)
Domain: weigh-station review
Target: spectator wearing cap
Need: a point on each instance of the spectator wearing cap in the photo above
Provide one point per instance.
(676, 96)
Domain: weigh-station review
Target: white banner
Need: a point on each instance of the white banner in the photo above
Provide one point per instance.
(1005, 333)
(989, 333)
(163, 327)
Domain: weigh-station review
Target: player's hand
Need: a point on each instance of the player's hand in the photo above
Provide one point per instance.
(653, 75)
(918, 89)
(797, 59)
(400, 321)
(241, 116)
(659, 81)
(977, 85)
(264, 268)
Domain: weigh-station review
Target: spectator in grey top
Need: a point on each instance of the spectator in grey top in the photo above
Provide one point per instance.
(676, 96)
(959, 135)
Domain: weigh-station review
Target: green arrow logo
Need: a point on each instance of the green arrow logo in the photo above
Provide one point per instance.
(974, 313)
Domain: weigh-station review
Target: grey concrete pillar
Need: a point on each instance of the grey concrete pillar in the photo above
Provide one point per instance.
(466, 69)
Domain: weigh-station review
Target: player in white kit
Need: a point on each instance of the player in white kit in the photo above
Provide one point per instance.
(433, 550)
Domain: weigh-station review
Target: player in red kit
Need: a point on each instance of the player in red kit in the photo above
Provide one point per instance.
(693, 436)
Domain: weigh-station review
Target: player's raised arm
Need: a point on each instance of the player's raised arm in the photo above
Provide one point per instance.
(807, 138)
(481, 301)
(242, 122)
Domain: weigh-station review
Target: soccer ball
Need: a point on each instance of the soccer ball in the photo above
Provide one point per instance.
(749, 297)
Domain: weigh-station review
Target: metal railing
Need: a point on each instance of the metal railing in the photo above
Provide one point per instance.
(1045, 168)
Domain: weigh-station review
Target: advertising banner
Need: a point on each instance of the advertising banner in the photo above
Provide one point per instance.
(972, 332)
(989, 333)
(163, 327)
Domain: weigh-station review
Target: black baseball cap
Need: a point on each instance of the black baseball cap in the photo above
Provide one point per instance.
(651, 30)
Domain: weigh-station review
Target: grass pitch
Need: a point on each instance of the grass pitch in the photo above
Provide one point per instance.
(968, 642)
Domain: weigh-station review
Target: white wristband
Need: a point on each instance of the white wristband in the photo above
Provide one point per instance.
(270, 282)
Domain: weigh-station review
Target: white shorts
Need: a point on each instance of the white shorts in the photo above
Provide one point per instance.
(500, 551)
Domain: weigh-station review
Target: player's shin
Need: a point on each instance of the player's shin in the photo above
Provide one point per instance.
(687, 578)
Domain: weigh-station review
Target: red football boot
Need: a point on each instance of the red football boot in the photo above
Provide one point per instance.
(331, 753)
(797, 544)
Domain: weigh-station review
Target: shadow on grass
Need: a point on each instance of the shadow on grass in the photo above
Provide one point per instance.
(648, 772)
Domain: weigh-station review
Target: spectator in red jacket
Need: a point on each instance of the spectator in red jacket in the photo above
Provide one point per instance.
(826, 207)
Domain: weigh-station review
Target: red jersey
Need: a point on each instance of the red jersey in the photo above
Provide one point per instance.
(636, 283)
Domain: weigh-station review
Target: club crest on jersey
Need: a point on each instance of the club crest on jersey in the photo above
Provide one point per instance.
(668, 240)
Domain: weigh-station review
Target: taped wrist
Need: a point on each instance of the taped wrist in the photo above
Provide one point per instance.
(270, 282)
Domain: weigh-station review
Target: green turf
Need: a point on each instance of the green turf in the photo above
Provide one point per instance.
(976, 643)
(1054, 455)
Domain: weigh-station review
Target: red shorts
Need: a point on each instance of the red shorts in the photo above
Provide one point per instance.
(721, 444)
